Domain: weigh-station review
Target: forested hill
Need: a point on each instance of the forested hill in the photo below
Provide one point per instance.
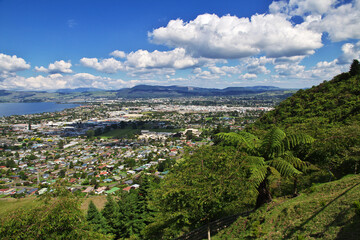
(330, 103)
(329, 112)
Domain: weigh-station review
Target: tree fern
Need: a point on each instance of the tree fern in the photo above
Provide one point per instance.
(271, 156)
(285, 168)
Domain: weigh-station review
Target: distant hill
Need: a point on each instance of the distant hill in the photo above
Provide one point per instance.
(142, 91)
(78, 90)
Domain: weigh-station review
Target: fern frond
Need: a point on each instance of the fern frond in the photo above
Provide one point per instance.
(294, 140)
(257, 175)
(272, 144)
(284, 167)
(296, 162)
(239, 139)
(253, 161)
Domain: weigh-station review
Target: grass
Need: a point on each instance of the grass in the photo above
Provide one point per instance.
(325, 211)
(99, 201)
(11, 204)
(130, 132)
(118, 133)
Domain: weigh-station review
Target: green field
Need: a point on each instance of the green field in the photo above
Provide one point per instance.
(119, 133)
(130, 132)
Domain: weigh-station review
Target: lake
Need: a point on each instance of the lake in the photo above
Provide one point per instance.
(8, 109)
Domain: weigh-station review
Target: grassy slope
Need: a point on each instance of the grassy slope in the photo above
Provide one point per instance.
(324, 211)
(10, 204)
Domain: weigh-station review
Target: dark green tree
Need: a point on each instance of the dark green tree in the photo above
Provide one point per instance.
(355, 68)
(111, 215)
(203, 186)
(95, 219)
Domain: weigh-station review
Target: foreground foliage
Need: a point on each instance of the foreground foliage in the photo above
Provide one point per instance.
(56, 217)
(270, 156)
(204, 186)
(324, 211)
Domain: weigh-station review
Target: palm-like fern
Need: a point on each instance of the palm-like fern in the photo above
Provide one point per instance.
(271, 156)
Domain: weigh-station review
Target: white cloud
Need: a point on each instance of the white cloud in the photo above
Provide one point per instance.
(350, 52)
(108, 65)
(248, 76)
(293, 70)
(12, 64)
(226, 37)
(56, 81)
(340, 20)
(177, 59)
(257, 65)
(56, 67)
(341, 23)
(118, 54)
(302, 7)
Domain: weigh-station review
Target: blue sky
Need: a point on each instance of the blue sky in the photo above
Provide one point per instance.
(47, 45)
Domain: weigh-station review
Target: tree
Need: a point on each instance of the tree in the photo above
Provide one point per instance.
(62, 173)
(355, 68)
(61, 144)
(111, 215)
(203, 186)
(96, 220)
(271, 156)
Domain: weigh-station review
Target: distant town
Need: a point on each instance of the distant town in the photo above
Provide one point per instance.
(102, 147)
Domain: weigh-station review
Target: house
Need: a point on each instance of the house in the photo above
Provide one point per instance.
(88, 189)
(32, 191)
(100, 190)
(129, 182)
(42, 191)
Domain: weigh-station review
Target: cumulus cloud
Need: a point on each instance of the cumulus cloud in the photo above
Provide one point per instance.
(56, 81)
(56, 67)
(302, 7)
(257, 65)
(226, 37)
(293, 70)
(177, 59)
(12, 64)
(350, 52)
(108, 65)
(118, 54)
(341, 23)
(339, 20)
(248, 76)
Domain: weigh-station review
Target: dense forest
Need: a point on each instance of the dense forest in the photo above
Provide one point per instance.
(311, 138)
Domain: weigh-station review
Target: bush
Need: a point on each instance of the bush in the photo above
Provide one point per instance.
(356, 206)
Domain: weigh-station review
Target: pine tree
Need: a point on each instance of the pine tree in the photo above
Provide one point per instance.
(355, 68)
(111, 215)
(96, 220)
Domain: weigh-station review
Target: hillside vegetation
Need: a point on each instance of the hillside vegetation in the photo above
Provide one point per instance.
(329, 112)
(324, 211)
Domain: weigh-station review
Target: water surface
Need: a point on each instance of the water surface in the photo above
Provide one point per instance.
(8, 109)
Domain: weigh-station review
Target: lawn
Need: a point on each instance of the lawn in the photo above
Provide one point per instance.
(130, 132)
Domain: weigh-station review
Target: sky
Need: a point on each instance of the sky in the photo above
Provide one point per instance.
(113, 44)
